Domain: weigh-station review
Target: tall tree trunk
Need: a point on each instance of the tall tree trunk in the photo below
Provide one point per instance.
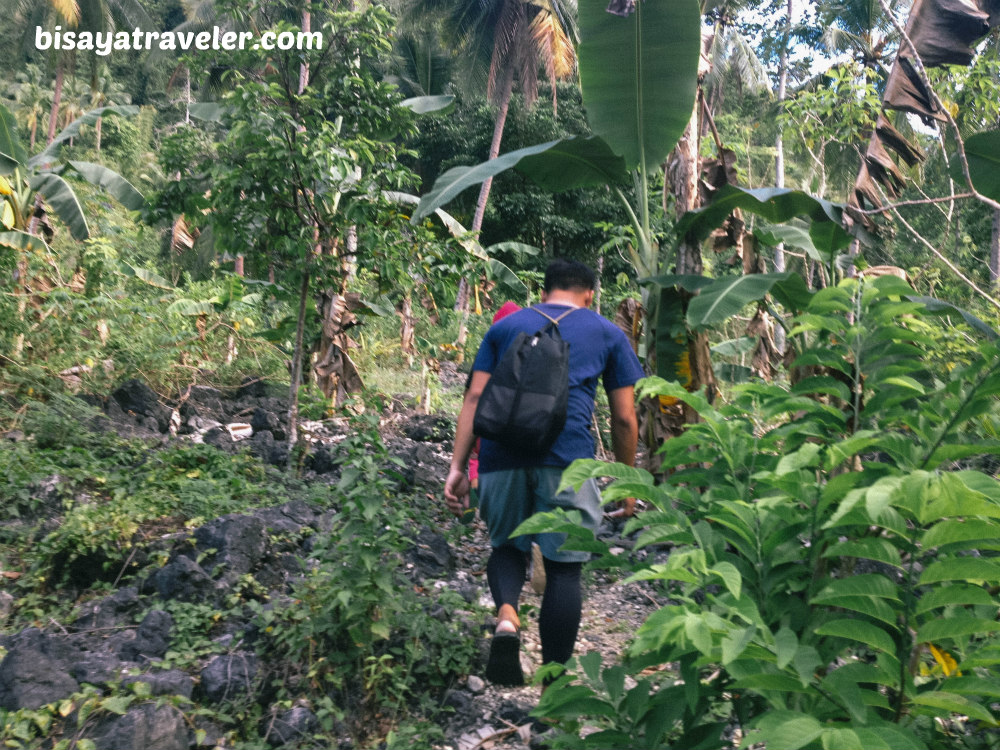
(779, 153)
(995, 250)
(56, 99)
(297, 353)
(97, 134)
(296, 370)
(464, 286)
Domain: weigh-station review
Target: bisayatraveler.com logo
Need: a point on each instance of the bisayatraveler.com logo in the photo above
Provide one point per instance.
(106, 42)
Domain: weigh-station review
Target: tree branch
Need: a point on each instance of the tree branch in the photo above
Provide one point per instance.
(921, 202)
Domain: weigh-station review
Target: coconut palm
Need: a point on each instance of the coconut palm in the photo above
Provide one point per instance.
(80, 15)
(502, 43)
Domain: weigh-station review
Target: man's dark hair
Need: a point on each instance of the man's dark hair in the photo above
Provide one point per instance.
(568, 274)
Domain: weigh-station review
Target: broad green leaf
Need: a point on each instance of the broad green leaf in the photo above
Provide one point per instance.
(734, 347)
(117, 186)
(60, 196)
(806, 662)
(51, 152)
(699, 633)
(555, 165)
(774, 204)
(866, 605)
(770, 681)
(887, 737)
(734, 644)
(191, 307)
(786, 730)
(727, 296)
(501, 273)
(583, 469)
(861, 631)
(804, 457)
(422, 105)
(786, 644)
(730, 577)
(982, 151)
(981, 685)
(842, 739)
(792, 293)
(868, 549)
(10, 142)
(961, 569)
(145, 276)
(868, 584)
(639, 75)
(936, 631)
(956, 704)
(959, 593)
(688, 282)
(207, 111)
(940, 307)
(23, 242)
(952, 532)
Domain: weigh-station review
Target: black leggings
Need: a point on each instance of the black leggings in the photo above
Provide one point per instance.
(559, 619)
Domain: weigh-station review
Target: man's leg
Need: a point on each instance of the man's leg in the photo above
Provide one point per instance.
(505, 574)
(559, 619)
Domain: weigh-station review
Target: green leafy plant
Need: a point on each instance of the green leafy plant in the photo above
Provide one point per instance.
(355, 627)
(831, 554)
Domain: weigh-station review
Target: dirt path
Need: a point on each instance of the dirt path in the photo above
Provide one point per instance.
(489, 716)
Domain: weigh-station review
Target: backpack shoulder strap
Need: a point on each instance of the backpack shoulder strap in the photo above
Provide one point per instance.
(555, 320)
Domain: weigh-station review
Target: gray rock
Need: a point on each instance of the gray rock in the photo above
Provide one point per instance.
(263, 420)
(229, 676)
(139, 401)
(111, 611)
(152, 638)
(298, 723)
(30, 679)
(431, 555)
(183, 579)
(239, 543)
(149, 727)
(168, 682)
(475, 684)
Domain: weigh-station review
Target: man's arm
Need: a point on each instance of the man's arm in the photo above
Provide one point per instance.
(624, 434)
(456, 486)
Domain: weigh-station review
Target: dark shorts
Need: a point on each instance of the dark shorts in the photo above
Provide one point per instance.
(510, 496)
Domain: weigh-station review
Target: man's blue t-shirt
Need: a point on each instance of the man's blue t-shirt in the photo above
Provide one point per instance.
(597, 350)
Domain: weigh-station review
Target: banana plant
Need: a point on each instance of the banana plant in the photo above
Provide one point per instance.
(28, 183)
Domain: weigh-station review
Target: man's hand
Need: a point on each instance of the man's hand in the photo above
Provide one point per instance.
(456, 492)
(625, 508)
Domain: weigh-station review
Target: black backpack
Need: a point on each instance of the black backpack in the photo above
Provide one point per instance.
(523, 406)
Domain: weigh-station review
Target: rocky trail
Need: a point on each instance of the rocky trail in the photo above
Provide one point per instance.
(124, 636)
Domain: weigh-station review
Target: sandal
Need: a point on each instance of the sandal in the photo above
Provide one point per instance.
(504, 665)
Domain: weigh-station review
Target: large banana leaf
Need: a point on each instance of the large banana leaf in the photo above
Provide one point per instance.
(12, 150)
(119, 188)
(639, 75)
(777, 205)
(725, 297)
(422, 105)
(60, 196)
(51, 152)
(982, 151)
(22, 241)
(556, 166)
(496, 269)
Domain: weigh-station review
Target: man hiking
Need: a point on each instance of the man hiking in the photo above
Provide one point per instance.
(514, 485)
